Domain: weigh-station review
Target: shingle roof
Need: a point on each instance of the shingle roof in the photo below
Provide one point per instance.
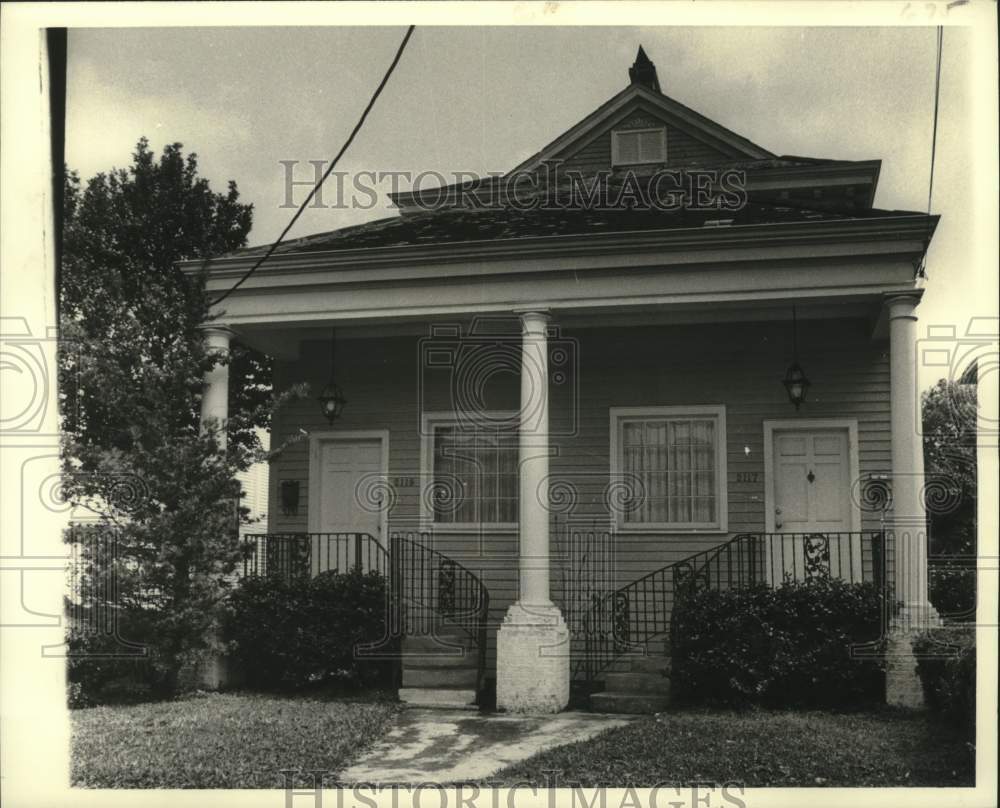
(456, 225)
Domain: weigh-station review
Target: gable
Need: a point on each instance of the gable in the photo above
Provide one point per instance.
(696, 139)
(594, 152)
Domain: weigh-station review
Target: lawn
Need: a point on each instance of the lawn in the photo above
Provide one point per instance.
(221, 740)
(760, 749)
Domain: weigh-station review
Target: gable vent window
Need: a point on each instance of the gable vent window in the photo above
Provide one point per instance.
(635, 146)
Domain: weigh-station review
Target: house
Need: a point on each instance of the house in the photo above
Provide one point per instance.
(696, 368)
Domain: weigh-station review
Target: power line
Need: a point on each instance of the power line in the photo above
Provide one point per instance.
(930, 184)
(329, 170)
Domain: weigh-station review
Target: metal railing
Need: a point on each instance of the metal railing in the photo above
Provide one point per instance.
(637, 614)
(302, 555)
(433, 595)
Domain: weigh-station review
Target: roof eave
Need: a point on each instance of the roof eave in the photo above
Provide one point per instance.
(914, 225)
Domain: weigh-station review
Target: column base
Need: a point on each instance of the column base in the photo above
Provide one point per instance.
(902, 682)
(533, 660)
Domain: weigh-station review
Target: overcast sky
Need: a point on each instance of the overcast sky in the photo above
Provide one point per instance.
(483, 99)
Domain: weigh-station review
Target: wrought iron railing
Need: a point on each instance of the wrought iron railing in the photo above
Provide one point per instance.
(302, 555)
(434, 595)
(638, 614)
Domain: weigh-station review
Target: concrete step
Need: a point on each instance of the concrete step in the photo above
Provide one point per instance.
(438, 677)
(649, 664)
(450, 698)
(631, 703)
(439, 652)
(652, 683)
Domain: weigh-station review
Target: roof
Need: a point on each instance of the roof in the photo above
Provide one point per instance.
(455, 225)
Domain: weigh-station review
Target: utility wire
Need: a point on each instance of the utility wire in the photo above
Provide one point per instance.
(329, 170)
(930, 185)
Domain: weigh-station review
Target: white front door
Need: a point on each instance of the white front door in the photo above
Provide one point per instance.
(348, 487)
(811, 479)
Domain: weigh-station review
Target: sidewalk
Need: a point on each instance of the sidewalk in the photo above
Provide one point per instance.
(446, 746)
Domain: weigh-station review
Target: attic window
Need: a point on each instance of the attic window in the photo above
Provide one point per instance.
(635, 146)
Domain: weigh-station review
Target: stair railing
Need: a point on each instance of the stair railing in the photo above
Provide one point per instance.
(632, 616)
(431, 593)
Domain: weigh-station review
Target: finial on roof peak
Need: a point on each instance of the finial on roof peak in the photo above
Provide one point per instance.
(643, 71)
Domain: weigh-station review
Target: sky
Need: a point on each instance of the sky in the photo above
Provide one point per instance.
(481, 99)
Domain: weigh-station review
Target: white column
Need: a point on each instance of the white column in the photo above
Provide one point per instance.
(215, 398)
(533, 461)
(214, 672)
(908, 523)
(533, 641)
(909, 518)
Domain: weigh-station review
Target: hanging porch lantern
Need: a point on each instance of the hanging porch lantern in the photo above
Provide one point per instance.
(331, 399)
(796, 382)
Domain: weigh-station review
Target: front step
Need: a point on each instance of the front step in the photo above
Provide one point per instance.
(439, 671)
(438, 677)
(631, 703)
(451, 698)
(637, 685)
(652, 683)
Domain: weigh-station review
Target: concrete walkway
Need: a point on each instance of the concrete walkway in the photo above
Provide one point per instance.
(446, 746)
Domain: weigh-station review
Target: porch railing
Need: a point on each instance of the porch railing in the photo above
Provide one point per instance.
(303, 555)
(434, 595)
(637, 614)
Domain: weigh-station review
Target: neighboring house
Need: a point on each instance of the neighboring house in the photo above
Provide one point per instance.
(575, 408)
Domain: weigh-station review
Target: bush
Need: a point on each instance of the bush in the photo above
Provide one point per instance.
(946, 664)
(952, 591)
(287, 635)
(105, 667)
(788, 646)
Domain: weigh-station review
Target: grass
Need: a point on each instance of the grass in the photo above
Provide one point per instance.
(760, 749)
(221, 740)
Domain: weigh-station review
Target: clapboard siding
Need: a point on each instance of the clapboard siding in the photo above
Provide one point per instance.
(739, 365)
(682, 149)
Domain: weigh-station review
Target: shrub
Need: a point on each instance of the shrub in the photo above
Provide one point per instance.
(946, 664)
(952, 590)
(285, 635)
(105, 667)
(788, 646)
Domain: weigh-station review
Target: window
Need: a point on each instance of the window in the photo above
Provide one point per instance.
(472, 469)
(634, 146)
(672, 462)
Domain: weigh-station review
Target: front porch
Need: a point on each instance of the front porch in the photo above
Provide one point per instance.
(430, 469)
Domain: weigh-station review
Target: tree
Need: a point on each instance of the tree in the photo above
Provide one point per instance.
(132, 360)
(949, 414)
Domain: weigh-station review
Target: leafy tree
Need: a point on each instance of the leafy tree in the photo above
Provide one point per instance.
(949, 433)
(132, 361)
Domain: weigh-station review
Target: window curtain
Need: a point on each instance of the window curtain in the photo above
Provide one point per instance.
(475, 475)
(670, 464)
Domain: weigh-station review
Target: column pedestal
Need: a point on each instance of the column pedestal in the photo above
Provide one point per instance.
(533, 660)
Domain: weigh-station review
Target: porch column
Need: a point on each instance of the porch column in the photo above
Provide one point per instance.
(214, 671)
(908, 523)
(215, 398)
(533, 641)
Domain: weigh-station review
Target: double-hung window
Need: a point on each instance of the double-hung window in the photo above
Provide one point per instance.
(672, 462)
(471, 469)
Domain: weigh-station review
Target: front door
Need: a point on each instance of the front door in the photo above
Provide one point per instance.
(349, 486)
(811, 473)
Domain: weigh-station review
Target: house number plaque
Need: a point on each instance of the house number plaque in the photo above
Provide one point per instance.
(404, 482)
(747, 476)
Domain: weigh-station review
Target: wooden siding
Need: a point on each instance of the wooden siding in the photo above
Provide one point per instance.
(682, 148)
(739, 365)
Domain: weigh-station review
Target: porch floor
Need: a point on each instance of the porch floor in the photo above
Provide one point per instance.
(445, 746)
